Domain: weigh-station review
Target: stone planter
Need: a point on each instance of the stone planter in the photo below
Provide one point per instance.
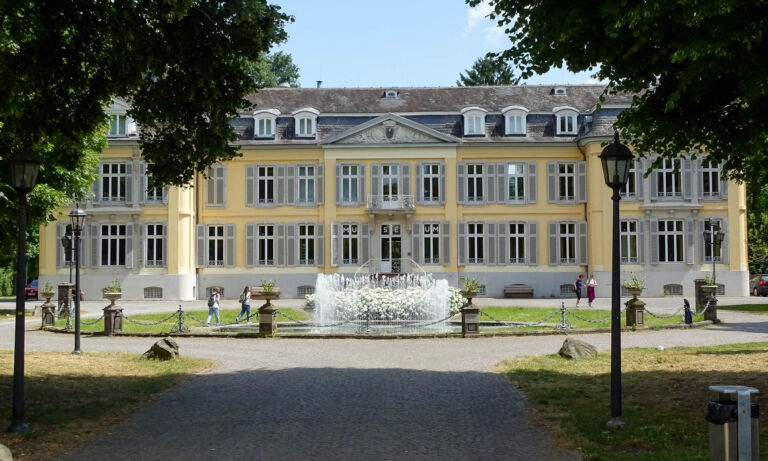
(112, 297)
(47, 295)
(635, 291)
(268, 314)
(469, 295)
(709, 290)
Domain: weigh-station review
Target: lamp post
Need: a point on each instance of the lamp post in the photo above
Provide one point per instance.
(616, 159)
(77, 218)
(24, 169)
(714, 237)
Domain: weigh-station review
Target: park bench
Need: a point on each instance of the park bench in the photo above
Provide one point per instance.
(518, 290)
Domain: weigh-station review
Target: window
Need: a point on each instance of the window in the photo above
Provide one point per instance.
(673, 289)
(516, 182)
(431, 243)
(710, 179)
(474, 121)
(391, 94)
(514, 120)
(266, 184)
(670, 241)
(265, 122)
(306, 244)
(712, 251)
(209, 291)
(215, 185)
(113, 244)
(216, 246)
(668, 180)
(265, 245)
(153, 293)
(430, 175)
(306, 184)
(350, 252)
(389, 182)
(630, 189)
(475, 182)
(566, 181)
(567, 236)
(349, 178)
(306, 126)
(628, 242)
(305, 121)
(265, 128)
(304, 290)
(113, 182)
(475, 250)
(154, 245)
(516, 243)
(116, 125)
(150, 194)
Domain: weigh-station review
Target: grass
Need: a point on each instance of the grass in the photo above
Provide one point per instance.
(226, 316)
(664, 398)
(6, 314)
(531, 314)
(755, 308)
(70, 398)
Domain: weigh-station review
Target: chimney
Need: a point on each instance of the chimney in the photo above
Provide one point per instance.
(319, 82)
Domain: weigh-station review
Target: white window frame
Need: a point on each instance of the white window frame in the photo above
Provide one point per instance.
(350, 244)
(519, 178)
(674, 238)
(212, 243)
(564, 177)
(306, 122)
(265, 240)
(349, 184)
(430, 176)
(151, 194)
(265, 123)
(629, 241)
(431, 241)
(307, 238)
(475, 178)
(517, 243)
(629, 191)
(305, 183)
(567, 243)
(266, 180)
(114, 127)
(474, 121)
(714, 174)
(566, 120)
(156, 242)
(113, 180)
(114, 253)
(476, 243)
(515, 120)
(670, 169)
(709, 249)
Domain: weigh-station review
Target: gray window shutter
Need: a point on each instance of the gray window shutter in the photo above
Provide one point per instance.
(221, 184)
(364, 242)
(95, 233)
(338, 185)
(129, 182)
(320, 244)
(319, 185)
(553, 253)
(489, 182)
(280, 184)
(654, 192)
(502, 235)
(141, 244)
(129, 245)
(81, 254)
(335, 238)
(290, 185)
(202, 254)
(165, 244)
(419, 186)
(654, 241)
(687, 180)
(250, 244)
(416, 253)
(639, 181)
(531, 198)
(361, 184)
(165, 195)
(491, 243)
(405, 178)
(442, 184)
(640, 241)
(700, 180)
(280, 247)
(701, 249)
(229, 247)
(461, 183)
(445, 250)
(210, 186)
(581, 182)
(290, 244)
(60, 257)
(724, 246)
(582, 243)
(97, 186)
(533, 243)
(723, 187)
(462, 238)
(689, 240)
(375, 169)
(552, 196)
(502, 193)
(142, 182)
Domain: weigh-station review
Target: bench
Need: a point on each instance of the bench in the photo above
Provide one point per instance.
(518, 290)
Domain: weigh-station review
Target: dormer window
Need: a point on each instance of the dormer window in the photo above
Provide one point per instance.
(565, 120)
(305, 120)
(514, 120)
(559, 90)
(120, 124)
(474, 121)
(116, 125)
(390, 94)
(265, 122)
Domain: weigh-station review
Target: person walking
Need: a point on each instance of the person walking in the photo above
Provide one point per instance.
(245, 305)
(591, 284)
(213, 307)
(577, 286)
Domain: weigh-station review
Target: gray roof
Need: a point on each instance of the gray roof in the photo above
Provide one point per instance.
(535, 98)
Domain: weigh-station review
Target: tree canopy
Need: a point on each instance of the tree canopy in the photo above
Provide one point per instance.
(488, 71)
(696, 68)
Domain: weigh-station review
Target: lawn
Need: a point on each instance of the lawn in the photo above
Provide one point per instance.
(530, 314)
(754, 308)
(664, 398)
(70, 398)
(226, 316)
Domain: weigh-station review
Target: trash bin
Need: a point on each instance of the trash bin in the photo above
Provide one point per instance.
(733, 424)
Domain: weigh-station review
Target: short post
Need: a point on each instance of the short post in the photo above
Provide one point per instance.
(49, 314)
(65, 298)
(268, 316)
(180, 327)
(711, 310)
(113, 318)
(470, 316)
(564, 325)
(635, 313)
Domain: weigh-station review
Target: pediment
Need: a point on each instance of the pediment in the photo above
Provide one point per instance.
(390, 129)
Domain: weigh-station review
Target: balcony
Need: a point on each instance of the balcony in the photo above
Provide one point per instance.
(389, 203)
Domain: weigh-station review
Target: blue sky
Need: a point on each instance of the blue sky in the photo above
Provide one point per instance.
(417, 43)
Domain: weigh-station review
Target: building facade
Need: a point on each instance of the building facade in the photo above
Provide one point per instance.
(502, 184)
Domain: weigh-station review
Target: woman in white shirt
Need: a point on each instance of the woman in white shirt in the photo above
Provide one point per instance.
(591, 284)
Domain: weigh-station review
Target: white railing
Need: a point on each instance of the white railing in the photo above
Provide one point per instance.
(390, 202)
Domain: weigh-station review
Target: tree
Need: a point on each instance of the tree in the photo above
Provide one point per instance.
(488, 71)
(275, 69)
(693, 67)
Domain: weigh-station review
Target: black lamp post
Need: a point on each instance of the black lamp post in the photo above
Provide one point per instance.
(616, 159)
(24, 169)
(77, 217)
(714, 238)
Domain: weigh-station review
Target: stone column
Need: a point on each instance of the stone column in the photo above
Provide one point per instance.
(113, 318)
(635, 313)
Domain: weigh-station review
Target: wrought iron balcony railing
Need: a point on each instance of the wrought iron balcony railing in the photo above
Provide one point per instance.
(390, 203)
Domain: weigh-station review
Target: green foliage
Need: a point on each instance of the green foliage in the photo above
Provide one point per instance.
(689, 64)
(471, 284)
(7, 275)
(634, 281)
(113, 287)
(757, 228)
(268, 285)
(275, 69)
(488, 71)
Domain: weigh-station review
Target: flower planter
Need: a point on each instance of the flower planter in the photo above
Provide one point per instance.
(469, 294)
(112, 297)
(635, 291)
(47, 295)
(709, 290)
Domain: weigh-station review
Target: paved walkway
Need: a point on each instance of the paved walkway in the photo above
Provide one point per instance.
(350, 399)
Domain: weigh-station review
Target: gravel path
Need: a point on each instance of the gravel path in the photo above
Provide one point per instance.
(288, 399)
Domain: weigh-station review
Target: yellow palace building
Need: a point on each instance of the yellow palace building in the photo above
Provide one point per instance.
(502, 184)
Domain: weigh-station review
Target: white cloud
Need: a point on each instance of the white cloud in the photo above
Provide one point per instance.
(476, 16)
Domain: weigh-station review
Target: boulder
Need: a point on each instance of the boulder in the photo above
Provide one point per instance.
(577, 349)
(164, 349)
(5, 453)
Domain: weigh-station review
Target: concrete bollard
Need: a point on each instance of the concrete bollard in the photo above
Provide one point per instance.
(635, 313)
